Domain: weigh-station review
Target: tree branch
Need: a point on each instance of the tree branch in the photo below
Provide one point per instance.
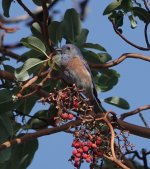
(133, 129)
(9, 53)
(133, 112)
(40, 133)
(120, 59)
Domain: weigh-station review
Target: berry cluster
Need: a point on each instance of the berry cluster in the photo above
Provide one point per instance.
(67, 116)
(87, 151)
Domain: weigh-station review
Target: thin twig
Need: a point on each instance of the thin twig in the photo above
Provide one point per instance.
(127, 41)
(146, 5)
(120, 59)
(146, 35)
(45, 23)
(133, 112)
(29, 12)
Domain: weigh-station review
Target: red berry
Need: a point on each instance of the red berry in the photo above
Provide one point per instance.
(75, 103)
(80, 150)
(94, 145)
(77, 144)
(70, 116)
(76, 159)
(64, 116)
(84, 156)
(98, 142)
(89, 143)
(88, 160)
(78, 155)
(85, 148)
(99, 154)
(74, 152)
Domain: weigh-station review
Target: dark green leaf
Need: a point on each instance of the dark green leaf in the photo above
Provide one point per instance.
(55, 32)
(112, 6)
(118, 102)
(31, 54)
(6, 100)
(35, 44)
(90, 56)
(6, 6)
(106, 80)
(22, 155)
(141, 13)
(37, 123)
(36, 31)
(126, 5)
(6, 132)
(25, 71)
(72, 25)
(117, 18)
(27, 104)
(81, 39)
(104, 57)
(132, 21)
(94, 46)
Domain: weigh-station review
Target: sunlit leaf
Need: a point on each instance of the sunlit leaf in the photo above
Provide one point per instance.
(112, 6)
(118, 102)
(34, 43)
(25, 71)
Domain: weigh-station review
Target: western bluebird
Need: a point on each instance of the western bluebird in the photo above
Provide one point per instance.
(75, 70)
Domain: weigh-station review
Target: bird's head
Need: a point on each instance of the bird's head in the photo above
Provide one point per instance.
(66, 53)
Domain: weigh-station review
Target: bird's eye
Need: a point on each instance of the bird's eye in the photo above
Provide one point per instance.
(68, 48)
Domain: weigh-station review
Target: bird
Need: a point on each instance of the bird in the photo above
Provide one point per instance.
(75, 70)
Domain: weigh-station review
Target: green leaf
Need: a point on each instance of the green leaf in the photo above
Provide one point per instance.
(81, 39)
(26, 105)
(36, 31)
(6, 100)
(126, 5)
(35, 44)
(72, 25)
(118, 102)
(104, 57)
(26, 70)
(90, 56)
(142, 14)
(106, 80)
(6, 132)
(22, 155)
(6, 6)
(94, 46)
(112, 6)
(132, 21)
(31, 54)
(55, 32)
(39, 122)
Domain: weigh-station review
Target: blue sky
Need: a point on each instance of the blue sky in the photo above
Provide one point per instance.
(55, 150)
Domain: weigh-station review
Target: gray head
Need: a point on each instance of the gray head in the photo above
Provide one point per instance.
(67, 52)
(71, 49)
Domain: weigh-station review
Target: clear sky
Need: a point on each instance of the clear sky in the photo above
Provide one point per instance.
(55, 150)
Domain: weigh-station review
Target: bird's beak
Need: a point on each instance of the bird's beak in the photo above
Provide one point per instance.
(59, 50)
